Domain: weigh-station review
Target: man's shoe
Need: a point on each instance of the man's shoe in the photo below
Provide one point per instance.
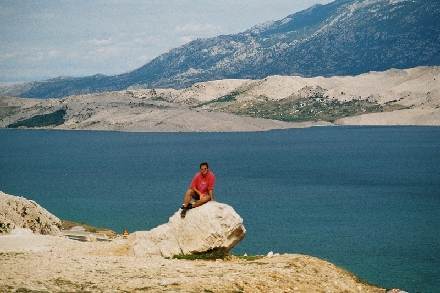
(183, 212)
(185, 209)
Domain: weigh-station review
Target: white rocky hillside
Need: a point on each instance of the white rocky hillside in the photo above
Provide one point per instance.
(405, 97)
(18, 212)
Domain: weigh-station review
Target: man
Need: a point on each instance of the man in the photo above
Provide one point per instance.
(201, 189)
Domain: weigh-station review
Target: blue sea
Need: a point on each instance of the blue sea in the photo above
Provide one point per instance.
(364, 198)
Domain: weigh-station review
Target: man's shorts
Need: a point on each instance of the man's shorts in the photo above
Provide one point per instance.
(197, 197)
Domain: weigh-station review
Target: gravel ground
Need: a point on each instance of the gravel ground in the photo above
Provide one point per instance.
(37, 263)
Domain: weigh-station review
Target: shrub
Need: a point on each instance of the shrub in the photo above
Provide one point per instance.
(55, 118)
(212, 254)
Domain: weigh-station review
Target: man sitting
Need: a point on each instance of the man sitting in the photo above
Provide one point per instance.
(201, 189)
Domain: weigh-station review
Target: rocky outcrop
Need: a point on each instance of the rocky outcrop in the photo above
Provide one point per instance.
(19, 212)
(211, 226)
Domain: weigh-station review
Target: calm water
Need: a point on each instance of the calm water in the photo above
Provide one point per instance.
(364, 198)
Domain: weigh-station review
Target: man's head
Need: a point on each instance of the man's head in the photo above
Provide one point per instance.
(204, 168)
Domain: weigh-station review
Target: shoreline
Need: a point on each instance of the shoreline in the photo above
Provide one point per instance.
(229, 131)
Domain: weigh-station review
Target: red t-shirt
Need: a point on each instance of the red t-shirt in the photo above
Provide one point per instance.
(203, 184)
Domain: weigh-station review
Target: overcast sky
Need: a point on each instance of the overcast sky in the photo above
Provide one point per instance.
(46, 39)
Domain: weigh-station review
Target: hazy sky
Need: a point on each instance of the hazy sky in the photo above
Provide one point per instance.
(45, 39)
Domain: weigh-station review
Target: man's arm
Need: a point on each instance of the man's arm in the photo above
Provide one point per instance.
(196, 191)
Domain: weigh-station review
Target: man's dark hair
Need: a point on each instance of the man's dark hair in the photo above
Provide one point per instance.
(204, 164)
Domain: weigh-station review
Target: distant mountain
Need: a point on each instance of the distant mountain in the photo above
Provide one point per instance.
(345, 37)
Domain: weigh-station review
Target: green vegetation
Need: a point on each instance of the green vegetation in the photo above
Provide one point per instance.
(66, 225)
(24, 290)
(249, 257)
(55, 118)
(159, 98)
(212, 254)
(313, 108)
(309, 105)
(228, 98)
(231, 97)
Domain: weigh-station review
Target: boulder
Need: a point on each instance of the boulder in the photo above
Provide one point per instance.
(18, 212)
(211, 226)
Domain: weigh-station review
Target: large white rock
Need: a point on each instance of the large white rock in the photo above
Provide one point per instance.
(212, 225)
(18, 212)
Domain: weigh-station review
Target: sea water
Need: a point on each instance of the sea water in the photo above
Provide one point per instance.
(364, 198)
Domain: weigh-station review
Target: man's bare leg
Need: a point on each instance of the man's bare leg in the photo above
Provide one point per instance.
(187, 198)
(204, 199)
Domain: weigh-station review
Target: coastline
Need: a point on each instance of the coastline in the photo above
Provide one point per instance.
(392, 97)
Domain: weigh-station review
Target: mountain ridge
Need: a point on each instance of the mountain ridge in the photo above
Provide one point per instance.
(344, 37)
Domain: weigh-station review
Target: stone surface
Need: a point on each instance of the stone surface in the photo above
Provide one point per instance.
(63, 265)
(18, 212)
(212, 225)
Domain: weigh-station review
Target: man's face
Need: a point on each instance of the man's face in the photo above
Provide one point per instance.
(204, 170)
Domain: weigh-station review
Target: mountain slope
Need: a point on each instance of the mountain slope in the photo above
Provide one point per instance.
(341, 38)
(345, 37)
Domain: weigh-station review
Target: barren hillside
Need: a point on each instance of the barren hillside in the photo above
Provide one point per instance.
(393, 97)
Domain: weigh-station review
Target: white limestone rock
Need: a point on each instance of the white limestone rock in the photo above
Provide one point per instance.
(21, 232)
(18, 212)
(212, 225)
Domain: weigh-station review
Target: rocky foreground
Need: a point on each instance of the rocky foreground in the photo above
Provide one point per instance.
(143, 261)
(52, 264)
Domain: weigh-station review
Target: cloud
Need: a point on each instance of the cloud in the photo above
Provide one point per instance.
(147, 40)
(195, 27)
(53, 53)
(41, 55)
(45, 15)
(100, 42)
(104, 53)
(191, 31)
(7, 55)
(138, 41)
(144, 59)
(187, 39)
